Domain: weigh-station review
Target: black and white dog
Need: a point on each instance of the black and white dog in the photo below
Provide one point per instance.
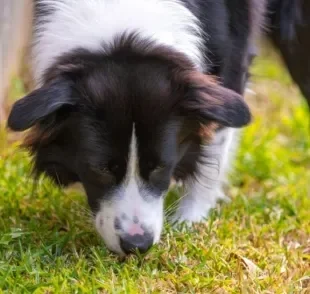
(125, 102)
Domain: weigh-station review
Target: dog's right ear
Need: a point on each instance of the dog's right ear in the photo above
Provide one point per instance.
(40, 103)
(206, 101)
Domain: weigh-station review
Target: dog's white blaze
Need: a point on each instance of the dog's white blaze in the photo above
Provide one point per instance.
(136, 200)
(132, 167)
(90, 23)
(128, 203)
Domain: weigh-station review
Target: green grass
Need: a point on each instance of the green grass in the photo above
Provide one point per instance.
(258, 243)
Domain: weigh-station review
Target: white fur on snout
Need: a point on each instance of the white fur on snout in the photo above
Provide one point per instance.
(104, 223)
(132, 205)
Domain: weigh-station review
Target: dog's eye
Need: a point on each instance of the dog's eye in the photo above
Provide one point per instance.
(151, 165)
(114, 167)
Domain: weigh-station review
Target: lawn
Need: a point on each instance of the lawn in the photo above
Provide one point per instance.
(258, 243)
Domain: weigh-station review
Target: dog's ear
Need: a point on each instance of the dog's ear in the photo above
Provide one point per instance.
(207, 101)
(41, 103)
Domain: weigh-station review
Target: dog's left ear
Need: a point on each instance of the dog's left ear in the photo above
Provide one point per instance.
(207, 101)
(40, 103)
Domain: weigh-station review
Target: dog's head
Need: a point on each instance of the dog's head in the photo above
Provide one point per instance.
(119, 121)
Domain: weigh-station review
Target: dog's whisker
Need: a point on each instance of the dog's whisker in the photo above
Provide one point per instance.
(171, 208)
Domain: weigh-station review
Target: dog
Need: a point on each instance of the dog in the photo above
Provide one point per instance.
(132, 94)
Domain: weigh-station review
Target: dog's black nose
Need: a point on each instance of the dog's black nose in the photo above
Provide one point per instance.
(141, 243)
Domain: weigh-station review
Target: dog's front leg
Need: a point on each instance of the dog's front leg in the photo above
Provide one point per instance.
(203, 188)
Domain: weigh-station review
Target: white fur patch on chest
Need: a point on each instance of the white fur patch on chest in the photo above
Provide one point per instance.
(90, 23)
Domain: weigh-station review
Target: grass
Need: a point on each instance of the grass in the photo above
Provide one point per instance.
(258, 243)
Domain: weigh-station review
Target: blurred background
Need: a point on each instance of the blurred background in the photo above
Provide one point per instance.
(15, 28)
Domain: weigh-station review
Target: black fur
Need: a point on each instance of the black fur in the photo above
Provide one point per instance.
(229, 27)
(289, 31)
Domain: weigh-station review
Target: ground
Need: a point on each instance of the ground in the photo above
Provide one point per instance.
(258, 243)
